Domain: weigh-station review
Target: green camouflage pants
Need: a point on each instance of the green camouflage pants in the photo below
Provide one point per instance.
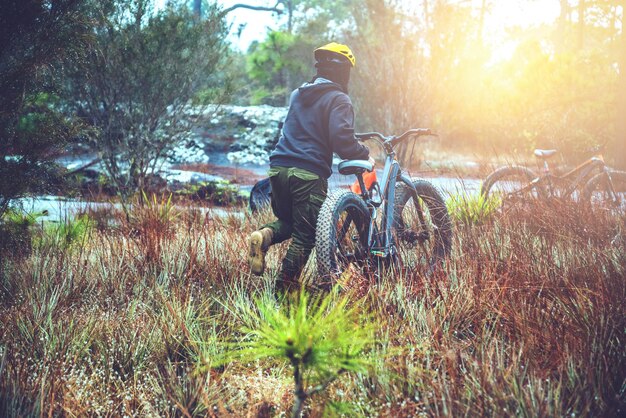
(297, 196)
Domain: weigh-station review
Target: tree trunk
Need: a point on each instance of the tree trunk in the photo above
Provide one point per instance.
(299, 392)
(288, 78)
(563, 26)
(289, 88)
(481, 23)
(620, 139)
(581, 24)
(289, 4)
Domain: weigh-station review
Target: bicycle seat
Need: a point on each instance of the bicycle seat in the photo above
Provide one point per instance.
(348, 167)
(545, 153)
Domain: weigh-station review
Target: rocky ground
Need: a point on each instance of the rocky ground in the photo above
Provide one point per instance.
(231, 135)
(228, 152)
(228, 145)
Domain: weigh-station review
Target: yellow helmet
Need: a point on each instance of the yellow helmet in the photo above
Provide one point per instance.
(335, 48)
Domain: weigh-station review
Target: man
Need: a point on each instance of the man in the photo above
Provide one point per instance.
(320, 121)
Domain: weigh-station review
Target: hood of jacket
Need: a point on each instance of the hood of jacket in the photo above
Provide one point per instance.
(311, 92)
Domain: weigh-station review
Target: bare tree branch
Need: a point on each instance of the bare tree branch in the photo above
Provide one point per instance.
(257, 8)
(84, 167)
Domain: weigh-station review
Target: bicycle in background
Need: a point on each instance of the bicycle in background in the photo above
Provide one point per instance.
(592, 182)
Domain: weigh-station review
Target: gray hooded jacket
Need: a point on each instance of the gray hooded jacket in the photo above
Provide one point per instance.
(320, 121)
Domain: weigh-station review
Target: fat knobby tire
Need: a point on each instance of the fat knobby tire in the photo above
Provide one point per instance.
(260, 195)
(326, 245)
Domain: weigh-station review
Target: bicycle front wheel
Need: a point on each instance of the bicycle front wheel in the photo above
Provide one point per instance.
(607, 192)
(341, 234)
(512, 184)
(422, 227)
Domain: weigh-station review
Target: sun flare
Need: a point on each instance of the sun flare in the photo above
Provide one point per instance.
(506, 16)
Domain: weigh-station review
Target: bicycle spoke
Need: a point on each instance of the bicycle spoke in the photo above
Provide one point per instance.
(347, 239)
(344, 226)
(413, 240)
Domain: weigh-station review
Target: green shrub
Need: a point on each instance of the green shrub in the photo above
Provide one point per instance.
(221, 193)
(321, 338)
(67, 233)
(158, 210)
(16, 230)
(472, 209)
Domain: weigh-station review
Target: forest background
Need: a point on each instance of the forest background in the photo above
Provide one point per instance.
(150, 309)
(115, 76)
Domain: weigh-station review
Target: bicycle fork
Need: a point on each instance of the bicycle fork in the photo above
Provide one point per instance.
(614, 199)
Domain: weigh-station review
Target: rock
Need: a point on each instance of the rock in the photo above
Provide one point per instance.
(235, 147)
(188, 177)
(189, 152)
(247, 133)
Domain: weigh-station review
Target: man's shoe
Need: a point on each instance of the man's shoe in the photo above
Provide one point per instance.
(260, 241)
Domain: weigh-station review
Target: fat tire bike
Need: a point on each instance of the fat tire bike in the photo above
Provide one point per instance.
(399, 219)
(591, 183)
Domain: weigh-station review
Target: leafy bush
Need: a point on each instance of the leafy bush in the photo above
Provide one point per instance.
(67, 233)
(136, 85)
(472, 209)
(16, 231)
(37, 40)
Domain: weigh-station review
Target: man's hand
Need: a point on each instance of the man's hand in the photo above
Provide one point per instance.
(371, 161)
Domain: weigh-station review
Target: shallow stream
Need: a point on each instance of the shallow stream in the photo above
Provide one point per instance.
(60, 208)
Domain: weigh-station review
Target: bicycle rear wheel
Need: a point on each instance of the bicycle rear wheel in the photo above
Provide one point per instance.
(605, 195)
(430, 233)
(260, 195)
(341, 234)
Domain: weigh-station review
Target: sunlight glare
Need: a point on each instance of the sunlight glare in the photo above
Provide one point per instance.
(508, 14)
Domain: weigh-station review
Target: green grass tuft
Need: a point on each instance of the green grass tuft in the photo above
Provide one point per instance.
(473, 209)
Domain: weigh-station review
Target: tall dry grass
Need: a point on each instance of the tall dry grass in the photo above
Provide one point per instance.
(527, 318)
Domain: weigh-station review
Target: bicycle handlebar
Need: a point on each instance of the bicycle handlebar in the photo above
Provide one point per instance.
(392, 138)
(368, 135)
(390, 141)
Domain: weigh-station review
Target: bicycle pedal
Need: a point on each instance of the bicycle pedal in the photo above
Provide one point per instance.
(423, 236)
